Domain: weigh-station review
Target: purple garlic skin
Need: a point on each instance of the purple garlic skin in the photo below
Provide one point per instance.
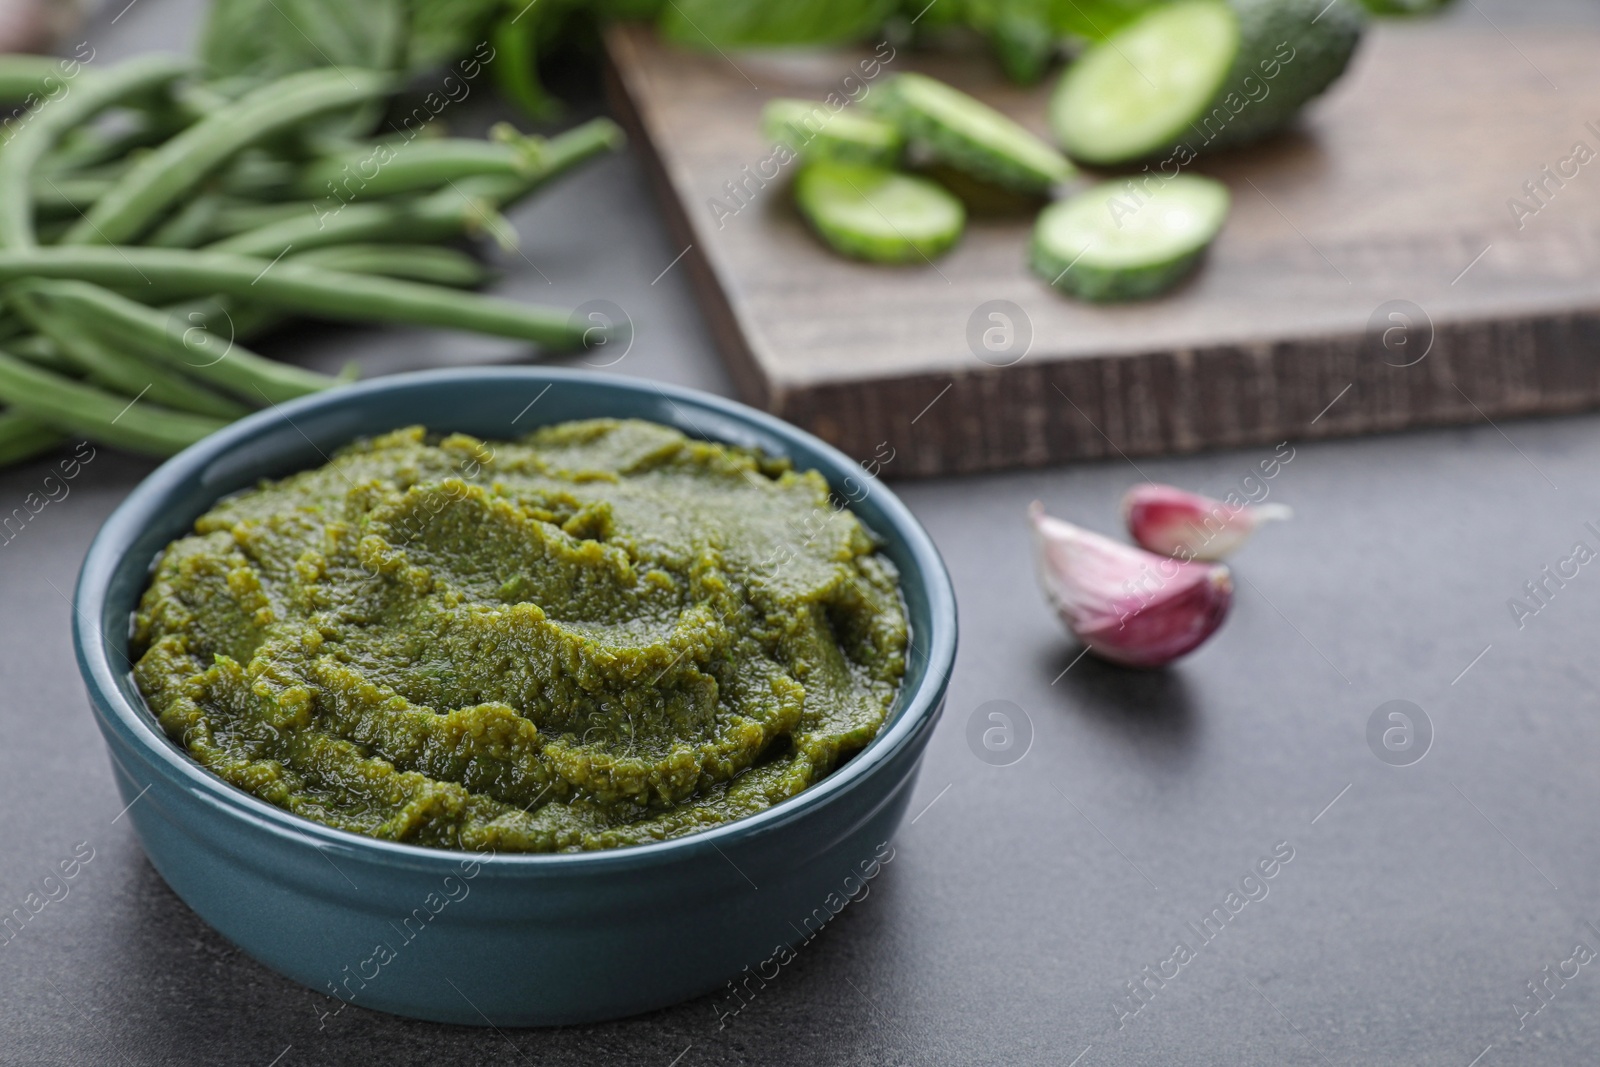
(1175, 522)
(37, 25)
(1127, 605)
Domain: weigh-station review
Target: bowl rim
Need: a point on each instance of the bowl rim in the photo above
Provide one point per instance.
(138, 728)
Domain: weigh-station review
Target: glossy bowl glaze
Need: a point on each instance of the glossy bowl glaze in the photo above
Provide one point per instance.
(508, 940)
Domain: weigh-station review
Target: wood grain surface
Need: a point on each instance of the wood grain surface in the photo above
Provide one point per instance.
(1373, 274)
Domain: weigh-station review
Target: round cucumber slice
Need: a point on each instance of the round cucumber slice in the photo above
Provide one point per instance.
(876, 214)
(815, 132)
(1139, 91)
(972, 136)
(1127, 241)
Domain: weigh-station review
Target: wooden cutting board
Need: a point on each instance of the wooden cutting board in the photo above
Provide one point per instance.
(1372, 276)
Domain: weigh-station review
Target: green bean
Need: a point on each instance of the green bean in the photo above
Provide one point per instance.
(87, 146)
(258, 176)
(23, 438)
(237, 215)
(22, 76)
(160, 179)
(41, 351)
(224, 315)
(466, 206)
(216, 215)
(67, 197)
(72, 407)
(324, 143)
(385, 170)
(42, 127)
(185, 346)
(250, 321)
(559, 154)
(113, 368)
(189, 225)
(110, 170)
(295, 287)
(417, 263)
(427, 219)
(52, 230)
(194, 101)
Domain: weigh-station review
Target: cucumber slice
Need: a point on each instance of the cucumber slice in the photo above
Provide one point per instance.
(877, 214)
(1121, 241)
(1139, 92)
(815, 132)
(1198, 75)
(971, 136)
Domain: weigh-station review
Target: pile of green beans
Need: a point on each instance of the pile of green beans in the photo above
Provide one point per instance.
(151, 223)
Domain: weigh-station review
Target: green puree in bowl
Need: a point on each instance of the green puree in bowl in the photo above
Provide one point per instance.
(603, 634)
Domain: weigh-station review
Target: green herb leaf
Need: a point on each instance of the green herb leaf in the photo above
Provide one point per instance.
(741, 23)
(442, 30)
(1095, 20)
(270, 38)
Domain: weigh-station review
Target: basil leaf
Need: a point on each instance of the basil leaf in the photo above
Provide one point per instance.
(443, 30)
(269, 38)
(1095, 20)
(743, 23)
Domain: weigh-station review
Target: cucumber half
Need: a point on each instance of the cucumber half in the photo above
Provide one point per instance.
(814, 131)
(1198, 75)
(972, 136)
(876, 214)
(1127, 241)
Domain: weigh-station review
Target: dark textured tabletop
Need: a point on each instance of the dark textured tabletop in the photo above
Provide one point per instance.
(1439, 913)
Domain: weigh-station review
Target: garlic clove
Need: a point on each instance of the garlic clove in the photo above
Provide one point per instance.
(38, 25)
(1174, 522)
(1129, 606)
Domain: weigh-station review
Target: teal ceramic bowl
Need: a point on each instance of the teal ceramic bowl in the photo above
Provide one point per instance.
(507, 940)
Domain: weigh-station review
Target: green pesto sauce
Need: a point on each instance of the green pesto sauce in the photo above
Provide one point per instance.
(601, 635)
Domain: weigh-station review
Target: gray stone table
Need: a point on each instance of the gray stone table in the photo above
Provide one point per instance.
(1419, 904)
